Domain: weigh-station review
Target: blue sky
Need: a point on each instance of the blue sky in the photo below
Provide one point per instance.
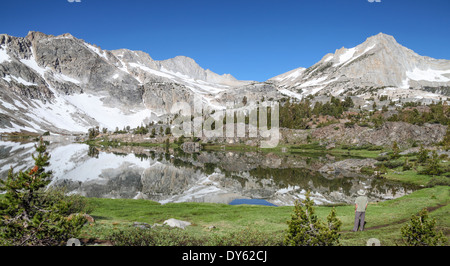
(250, 39)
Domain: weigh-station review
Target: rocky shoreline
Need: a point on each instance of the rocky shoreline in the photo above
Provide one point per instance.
(404, 134)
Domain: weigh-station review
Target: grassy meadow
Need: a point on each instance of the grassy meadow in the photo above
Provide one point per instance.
(213, 221)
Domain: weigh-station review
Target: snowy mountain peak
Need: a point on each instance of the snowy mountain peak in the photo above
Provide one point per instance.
(379, 62)
(63, 84)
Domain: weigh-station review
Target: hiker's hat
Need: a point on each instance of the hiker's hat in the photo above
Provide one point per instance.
(362, 192)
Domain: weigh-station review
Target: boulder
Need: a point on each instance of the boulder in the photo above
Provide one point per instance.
(176, 223)
(331, 146)
(142, 225)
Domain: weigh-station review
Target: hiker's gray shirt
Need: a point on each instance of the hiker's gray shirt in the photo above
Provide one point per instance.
(361, 203)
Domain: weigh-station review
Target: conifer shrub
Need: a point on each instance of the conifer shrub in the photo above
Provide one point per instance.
(432, 166)
(422, 156)
(29, 215)
(421, 231)
(305, 228)
(165, 236)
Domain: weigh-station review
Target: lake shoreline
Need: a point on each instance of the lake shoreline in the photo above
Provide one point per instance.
(384, 217)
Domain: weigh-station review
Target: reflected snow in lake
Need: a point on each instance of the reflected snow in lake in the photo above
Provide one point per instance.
(174, 176)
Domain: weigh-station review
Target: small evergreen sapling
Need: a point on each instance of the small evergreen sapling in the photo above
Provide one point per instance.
(421, 231)
(28, 215)
(432, 166)
(422, 156)
(305, 228)
(395, 151)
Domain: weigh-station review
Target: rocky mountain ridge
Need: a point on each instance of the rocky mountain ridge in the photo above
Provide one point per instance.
(379, 65)
(65, 85)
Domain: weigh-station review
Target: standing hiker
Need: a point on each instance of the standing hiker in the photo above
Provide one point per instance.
(360, 210)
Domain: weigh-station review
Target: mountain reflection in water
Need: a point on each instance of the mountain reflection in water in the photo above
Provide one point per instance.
(175, 176)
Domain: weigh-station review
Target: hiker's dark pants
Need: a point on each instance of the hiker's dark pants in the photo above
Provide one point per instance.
(359, 221)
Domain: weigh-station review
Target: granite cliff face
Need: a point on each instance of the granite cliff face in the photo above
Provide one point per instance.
(402, 133)
(380, 64)
(65, 85)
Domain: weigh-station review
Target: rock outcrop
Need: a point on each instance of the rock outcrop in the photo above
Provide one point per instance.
(401, 132)
(176, 223)
(65, 85)
(378, 63)
(348, 167)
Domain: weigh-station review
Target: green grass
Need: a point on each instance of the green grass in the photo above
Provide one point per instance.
(414, 176)
(229, 147)
(339, 151)
(411, 176)
(384, 219)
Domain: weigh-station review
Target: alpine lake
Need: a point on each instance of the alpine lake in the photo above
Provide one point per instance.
(224, 175)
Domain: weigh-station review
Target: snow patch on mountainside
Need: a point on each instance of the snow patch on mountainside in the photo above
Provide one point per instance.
(106, 116)
(96, 50)
(69, 112)
(291, 94)
(346, 56)
(20, 80)
(4, 57)
(428, 75)
(329, 58)
(151, 71)
(31, 63)
(361, 54)
(295, 74)
(314, 82)
(289, 76)
(56, 113)
(7, 106)
(62, 77)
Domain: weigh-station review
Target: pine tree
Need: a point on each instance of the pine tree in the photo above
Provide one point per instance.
(167, 145)
(305, 228)
(446, 140)
(406, 165)
(244, 100)
(153, 133)
(395, 151)
(432, 167)
(422, 232)
(422, 156)
(29, 216)
(168, 132)
(93, 132)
